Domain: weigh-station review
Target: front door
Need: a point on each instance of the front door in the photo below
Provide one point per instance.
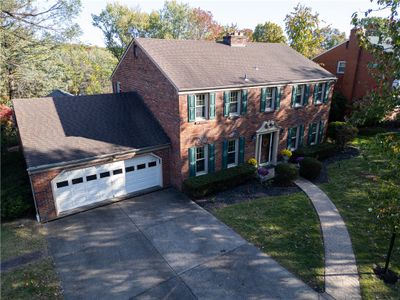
(265, 148)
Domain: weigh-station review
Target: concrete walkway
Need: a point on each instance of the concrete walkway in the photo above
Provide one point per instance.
(341, 276)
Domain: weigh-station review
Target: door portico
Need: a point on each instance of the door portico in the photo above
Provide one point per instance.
(267, 140)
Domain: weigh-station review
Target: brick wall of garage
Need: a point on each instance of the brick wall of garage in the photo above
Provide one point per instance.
(42, 189)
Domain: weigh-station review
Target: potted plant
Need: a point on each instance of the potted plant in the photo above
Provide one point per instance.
(286, 154)
(262, 173)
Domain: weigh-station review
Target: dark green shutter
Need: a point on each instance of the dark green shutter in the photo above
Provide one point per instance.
(326, 93)
(191, 108)
(294, 89)
(321, 132)
(315, 93)
(211, 114)
(301, 136)
(278, 94)
(241, 149)
(192, 161)
(262, 100)
(243, 108)
(211, 158)
(224, 154)
(226, 104)
(289, 138)
(306, 95)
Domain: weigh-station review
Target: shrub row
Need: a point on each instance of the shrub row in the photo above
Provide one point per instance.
(197, 187)
(319, 151)
(285, 174)
(310, 168)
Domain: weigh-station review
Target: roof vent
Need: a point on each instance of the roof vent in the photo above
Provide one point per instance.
(246, 78)
(235, 39)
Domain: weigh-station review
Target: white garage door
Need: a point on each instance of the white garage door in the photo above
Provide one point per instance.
(81, 187)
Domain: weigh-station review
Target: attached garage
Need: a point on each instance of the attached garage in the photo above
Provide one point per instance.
(83, 151)
(87, 186)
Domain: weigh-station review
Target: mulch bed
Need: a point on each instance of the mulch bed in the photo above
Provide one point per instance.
(253, 189)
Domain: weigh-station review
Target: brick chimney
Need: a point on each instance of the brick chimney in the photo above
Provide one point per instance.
(236, 39)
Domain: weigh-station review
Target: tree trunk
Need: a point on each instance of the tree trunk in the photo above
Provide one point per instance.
(390, 251)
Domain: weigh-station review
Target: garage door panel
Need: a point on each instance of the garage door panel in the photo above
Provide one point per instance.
(85, 186)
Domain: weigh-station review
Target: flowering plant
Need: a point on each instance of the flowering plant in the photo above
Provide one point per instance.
(286, 152)
(299, 159)
(252, 161)
(262, 171)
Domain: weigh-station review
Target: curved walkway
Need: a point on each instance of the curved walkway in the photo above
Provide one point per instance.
(341, 276)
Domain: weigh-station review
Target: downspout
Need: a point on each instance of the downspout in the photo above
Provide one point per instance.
(34, 200)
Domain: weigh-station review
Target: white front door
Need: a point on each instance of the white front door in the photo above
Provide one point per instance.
(80, 187)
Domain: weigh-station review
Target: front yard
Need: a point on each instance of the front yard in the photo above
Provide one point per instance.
(285, 227)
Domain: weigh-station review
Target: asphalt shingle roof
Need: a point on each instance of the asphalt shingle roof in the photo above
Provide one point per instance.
(61, 129)
(196, 64)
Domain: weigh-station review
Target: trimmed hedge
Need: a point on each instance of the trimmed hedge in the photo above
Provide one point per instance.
(285, 174)
(310, 168)
(197, 187)
(319, 151)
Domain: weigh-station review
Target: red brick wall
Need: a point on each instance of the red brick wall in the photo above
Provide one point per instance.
(41, 185)
(141, 75)
(222, 128)
(356, 81)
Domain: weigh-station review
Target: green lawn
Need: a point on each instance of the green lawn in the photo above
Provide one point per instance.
(285, 227)
(349, 182)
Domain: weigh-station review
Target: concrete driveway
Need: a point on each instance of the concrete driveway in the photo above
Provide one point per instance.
(162, 246)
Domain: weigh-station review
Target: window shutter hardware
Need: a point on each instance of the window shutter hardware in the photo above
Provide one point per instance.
(211, 114)
(211, 158)
(278, 95)
(243, 108)
(263, 100)
(191, 108)
(226, 104)
(294, 89)
(192, 161)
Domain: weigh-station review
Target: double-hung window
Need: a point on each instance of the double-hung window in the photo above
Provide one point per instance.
(201, 106)
(233, 146)
(319, 92)
(270, 94)
(201, 160)
(341, 67)
(295, 137)
(299, 97)
(313, 134)
(234, 103)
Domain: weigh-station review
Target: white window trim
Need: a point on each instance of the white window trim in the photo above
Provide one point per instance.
(303, 89)
(273, 99)
(239, 102)
(323, 84)
(339, 65)
(236, 154)
(270, 159)
(206, 104)
(118, 87)
(316, 134)
(297, 139)
(205, 161)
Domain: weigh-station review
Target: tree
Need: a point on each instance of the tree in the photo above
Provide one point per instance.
(174, 20)
(381, 38)
(269, 32)
(331, 37)
(119, 25)
(29, 31)
(202, 25)
(302, 29)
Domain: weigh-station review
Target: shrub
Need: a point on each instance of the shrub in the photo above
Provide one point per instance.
(319, 151)
(197, 187)
(310, 168)
(285, 174)
(341, 133)
(338, 107)
(371, 131)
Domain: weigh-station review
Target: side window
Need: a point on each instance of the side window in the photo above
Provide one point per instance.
(62, 184)
(341, 67)
(234, 103)
(201, 160)
(201, 106)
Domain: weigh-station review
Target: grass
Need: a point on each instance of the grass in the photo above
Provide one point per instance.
(21, 237)
(348, 186)
(35, 281)
(285, 227)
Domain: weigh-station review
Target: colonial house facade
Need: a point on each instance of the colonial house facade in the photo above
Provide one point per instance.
(179, 109)
(223, 103)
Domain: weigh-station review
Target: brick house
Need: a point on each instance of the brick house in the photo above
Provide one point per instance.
(350, 63)
(181, 108)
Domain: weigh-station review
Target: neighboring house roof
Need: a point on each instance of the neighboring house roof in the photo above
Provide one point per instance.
(63, 129)
(197, 64)
(58, 93)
